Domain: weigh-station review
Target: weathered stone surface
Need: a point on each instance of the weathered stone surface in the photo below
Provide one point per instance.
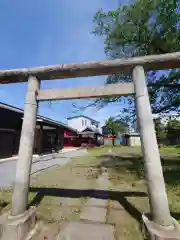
(3, 220)
(162, 232)
(17, 227)
(88, 231)
(95, 210)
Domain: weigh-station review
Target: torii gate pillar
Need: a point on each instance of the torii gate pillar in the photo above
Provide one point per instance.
(23, 168)
(21, 220)
(162, 220)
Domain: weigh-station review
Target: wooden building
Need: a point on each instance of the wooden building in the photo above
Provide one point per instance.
(91, 136)
(71, 139)
(88, 134)
(49, 134)
(87, 137)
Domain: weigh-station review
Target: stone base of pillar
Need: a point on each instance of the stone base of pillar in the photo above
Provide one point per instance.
(156, 231)
(18, 227)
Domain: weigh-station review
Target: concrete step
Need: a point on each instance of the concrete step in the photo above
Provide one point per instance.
(96, 209)
(85, 230)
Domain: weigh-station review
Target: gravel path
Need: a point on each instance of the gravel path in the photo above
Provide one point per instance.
(8, 169)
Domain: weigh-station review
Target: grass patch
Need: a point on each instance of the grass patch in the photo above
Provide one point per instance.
(173, 149)
(97, 151)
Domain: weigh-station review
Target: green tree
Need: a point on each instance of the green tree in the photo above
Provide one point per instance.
(143, 27)
(161, 133)
(114, 127)
(173, 131)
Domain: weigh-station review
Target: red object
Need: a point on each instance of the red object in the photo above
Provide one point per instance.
(109, 138)
(71, 139)
(68, 133)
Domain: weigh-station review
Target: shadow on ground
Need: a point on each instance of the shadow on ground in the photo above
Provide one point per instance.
(134, 164)
(120, 197)
(3, 204)
(91, 193)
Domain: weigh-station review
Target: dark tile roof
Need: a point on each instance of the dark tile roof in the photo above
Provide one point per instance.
(45, 119)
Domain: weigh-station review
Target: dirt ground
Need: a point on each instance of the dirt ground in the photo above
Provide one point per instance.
(61, 192)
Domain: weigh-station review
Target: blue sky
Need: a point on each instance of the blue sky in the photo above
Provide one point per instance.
(43, 32)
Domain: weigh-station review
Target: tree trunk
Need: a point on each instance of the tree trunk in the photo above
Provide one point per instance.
(113, 140)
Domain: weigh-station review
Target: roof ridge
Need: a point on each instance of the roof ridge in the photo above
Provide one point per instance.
(16, 109)
(81, 115)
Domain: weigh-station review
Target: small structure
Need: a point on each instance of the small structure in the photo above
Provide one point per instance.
(116, 139)
(131, 139)
(91, 136)
(109, 139)
(88, 136)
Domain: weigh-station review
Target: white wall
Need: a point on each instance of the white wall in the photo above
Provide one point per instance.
(79, 123)
(134, 141)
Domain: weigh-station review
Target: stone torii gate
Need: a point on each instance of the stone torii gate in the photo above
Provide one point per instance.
(161, 225)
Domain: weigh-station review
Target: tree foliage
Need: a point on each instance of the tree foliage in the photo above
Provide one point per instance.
(114, 127)
(173, 131)
(167, 132)
(161, 133)
(140, 28)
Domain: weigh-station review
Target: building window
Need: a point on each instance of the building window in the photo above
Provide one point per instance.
(84, 122)
(94, 124)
